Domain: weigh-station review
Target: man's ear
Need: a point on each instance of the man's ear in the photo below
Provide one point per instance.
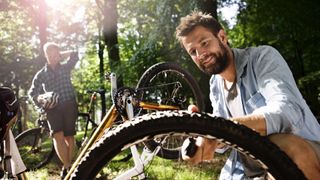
(223, 36)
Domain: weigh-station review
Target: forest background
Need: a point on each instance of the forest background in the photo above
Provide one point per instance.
(128, 36)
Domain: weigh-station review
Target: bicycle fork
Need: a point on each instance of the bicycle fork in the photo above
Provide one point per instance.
(140, 161)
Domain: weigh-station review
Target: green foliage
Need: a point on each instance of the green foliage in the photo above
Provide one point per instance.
(282, 25)
(16, 45)
(86, 76)
(310, 88)
(293, 27)
(146, 36)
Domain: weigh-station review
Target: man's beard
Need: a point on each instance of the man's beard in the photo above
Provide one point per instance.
(221, 63)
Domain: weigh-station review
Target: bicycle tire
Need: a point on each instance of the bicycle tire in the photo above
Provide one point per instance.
(249, 142)
(171, 70)
(39, 157)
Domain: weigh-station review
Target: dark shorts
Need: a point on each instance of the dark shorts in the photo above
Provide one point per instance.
(63, 118)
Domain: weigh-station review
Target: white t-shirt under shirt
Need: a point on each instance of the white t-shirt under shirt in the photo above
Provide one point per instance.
(234, 106)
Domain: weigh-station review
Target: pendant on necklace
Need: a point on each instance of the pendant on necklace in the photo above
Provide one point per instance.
(232, 91)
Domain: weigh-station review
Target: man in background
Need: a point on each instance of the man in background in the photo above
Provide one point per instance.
(53, 92)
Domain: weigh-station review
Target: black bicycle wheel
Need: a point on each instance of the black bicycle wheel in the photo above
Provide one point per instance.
(36, 148)
(97, 163)
(168, 83)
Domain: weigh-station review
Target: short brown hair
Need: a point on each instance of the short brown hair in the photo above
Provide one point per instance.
(189, 22)
(48, 46)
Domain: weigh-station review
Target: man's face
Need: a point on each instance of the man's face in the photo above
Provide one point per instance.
(53, 55)
(206, 50)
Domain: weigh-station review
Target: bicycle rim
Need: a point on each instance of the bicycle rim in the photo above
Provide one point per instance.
(158, 86)
(33, 155)
(96, 164)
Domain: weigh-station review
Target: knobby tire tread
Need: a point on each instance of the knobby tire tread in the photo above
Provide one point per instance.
(237, 136)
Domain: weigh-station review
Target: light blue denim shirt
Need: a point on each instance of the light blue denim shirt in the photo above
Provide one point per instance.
(267, 87)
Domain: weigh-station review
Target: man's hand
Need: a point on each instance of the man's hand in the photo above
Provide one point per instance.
(41, 99)
(205, 150)
(65, 54)
(205, 147)
(193, 108)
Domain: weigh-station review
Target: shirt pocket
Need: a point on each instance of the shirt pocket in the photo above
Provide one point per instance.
(257, 100)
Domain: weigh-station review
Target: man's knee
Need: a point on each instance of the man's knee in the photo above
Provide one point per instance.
(287, 142)
(300, 151)
(58, 136)
(294, 146)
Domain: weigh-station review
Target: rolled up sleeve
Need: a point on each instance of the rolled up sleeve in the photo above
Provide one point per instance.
(282, 111)
(74, 58)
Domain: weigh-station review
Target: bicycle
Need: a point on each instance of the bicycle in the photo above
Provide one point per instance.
(19, 126)
(11, 165)
(36, 146)
(99, 157)
(182, 89)
(169, 123)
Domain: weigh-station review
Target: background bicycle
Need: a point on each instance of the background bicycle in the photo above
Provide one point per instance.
(22, 123)
(36, 145)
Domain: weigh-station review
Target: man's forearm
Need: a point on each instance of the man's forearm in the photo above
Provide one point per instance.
(65, 54)
(255, 122)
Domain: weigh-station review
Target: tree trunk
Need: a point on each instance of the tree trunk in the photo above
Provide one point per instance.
(102, 78)
(110, 37)
(42, 24)
(208, 6)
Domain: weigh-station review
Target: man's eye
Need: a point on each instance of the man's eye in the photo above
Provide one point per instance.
(192, 52)
(204, 43)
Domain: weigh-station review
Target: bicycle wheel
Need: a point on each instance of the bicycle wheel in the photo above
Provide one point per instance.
(168, 83)
(97, 163)
(36, 148)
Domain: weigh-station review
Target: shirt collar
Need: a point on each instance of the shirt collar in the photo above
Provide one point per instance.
(241, 60)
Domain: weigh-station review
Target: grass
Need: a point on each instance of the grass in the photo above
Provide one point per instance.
(52, 170)
(159, 169)
(162, 168)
